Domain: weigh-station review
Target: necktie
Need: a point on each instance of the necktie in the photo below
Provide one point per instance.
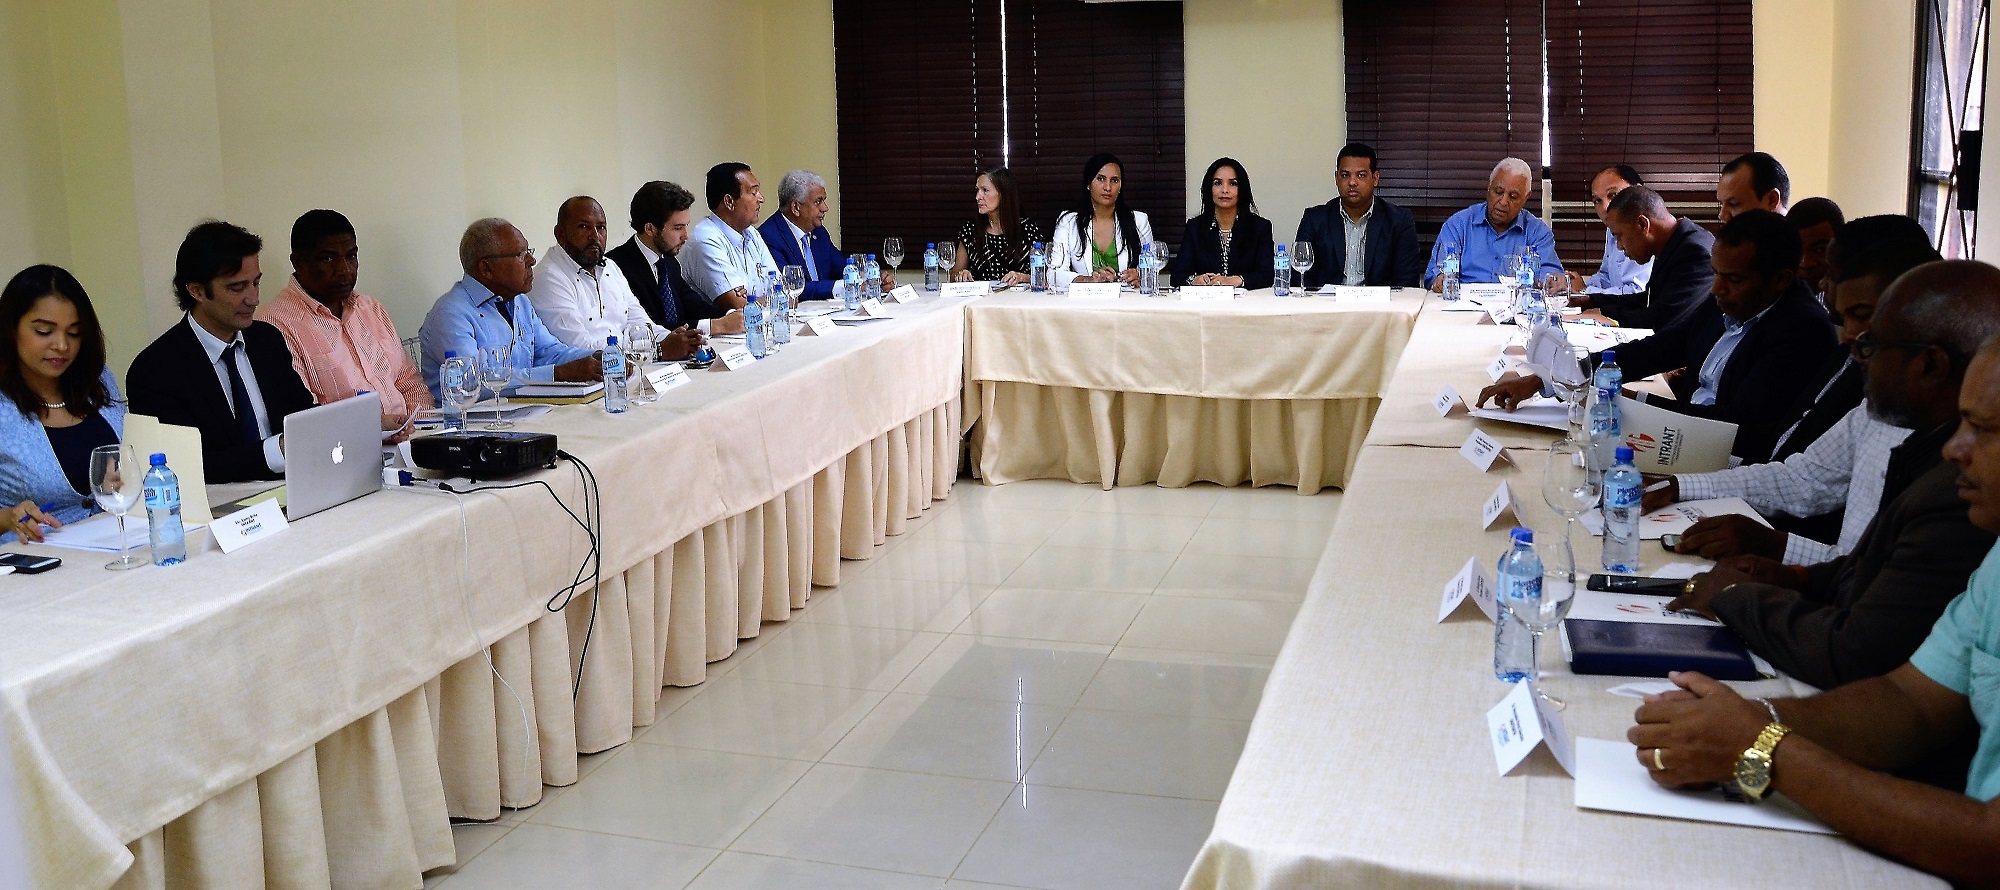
(670, 310)
(805, 248)
(239, 395)
(506, 308)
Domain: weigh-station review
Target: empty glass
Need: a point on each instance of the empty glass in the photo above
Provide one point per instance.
(640, 344)
(947, 258)
(1302, 259)
(460, 390)
(892, 251)
(794, 278)
(116, 481)
(1558, 591)
(496, 370)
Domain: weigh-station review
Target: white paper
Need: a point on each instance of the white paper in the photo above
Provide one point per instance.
(965, 288)
(1500, 503)
(1485, 293)
(1345, 294)
(1200, 293)
(1540, 412)
(249, 525)
(1481, 451)
(1681, 570)
(1463, 305)
(1674, 519)
(1663, 441)
(1610, 777)
(1631, 608)
(99, 533)
(1519, 723)
(1447, 401)
(1639, 689)
(904, 294)
(1471, 583)
(556, 389)
(1093, 290)
(483, 411)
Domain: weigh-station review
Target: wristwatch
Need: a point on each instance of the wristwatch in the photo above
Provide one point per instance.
(1753, 768)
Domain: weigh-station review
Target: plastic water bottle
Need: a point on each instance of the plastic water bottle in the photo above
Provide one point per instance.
(753, 327)
(1281, 274)
(1038, 269)
(780, 316)
(850, 287)
(1149, 272)
(452, 375)
(873, 274)
(1450, 273)
(1520, 589)
(163, 513)
(616, 398)
(1623, 489)
(930, 267)
(1606, 432)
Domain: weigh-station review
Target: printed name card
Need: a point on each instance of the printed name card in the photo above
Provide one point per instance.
(1201, 293)
(1500, 313)
(1499, 504)
(1471, 583)
(1093, 290)
(1447, 401)
(818, 326)
(1347, 294)
(904, 294)
(248, 525)
(1482, 451)
(667, 376)
(872, 308)
(1499, 367)
(733, 358)
(965, 288)
(1520, 722)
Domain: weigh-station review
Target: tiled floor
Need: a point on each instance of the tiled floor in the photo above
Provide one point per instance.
(1043, 685)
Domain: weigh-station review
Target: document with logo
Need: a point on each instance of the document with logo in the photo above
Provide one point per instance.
(1674, 519)
(1663, 441)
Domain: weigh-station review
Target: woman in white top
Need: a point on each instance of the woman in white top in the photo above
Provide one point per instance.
(1100, 239)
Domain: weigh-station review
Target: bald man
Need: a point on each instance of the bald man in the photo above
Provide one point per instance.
(1484, 234)
(1832, 753)
(581, 298)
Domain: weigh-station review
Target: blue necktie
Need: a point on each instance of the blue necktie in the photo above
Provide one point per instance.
(805, 248)
(670, 310)
(239, 395)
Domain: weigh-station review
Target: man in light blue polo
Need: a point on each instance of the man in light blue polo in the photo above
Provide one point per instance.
(488, 308)
(1484, 234)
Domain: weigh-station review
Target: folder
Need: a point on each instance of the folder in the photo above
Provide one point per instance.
(1635, 649)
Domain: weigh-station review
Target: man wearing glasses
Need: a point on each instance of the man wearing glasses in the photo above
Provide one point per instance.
(487, 308)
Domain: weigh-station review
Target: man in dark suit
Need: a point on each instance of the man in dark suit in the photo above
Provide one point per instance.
(220, 370)
(660, 218)
(1678, 249)
(1384, 233)
(1863, 614)
(797, 238)
(1747, 351)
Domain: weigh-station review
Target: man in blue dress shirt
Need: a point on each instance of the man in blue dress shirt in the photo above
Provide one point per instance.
(1616, 273)
(796, 237)
(488, 308)
(1485, 234)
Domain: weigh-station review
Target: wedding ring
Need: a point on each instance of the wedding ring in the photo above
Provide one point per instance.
(1658, 764)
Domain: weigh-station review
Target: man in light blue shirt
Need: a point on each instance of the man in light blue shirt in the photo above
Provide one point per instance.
(1485, 234)
(1709, 380)
(725, 253)
(1834, 750)
(488, 308)
(1616, 273)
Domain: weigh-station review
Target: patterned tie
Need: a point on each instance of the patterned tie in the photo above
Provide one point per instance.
(670, 310)
(805, 248)
(239, 395)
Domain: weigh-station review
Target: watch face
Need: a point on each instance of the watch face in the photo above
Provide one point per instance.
(1753, 773)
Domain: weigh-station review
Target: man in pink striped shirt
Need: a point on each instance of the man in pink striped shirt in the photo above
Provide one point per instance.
(343, 342)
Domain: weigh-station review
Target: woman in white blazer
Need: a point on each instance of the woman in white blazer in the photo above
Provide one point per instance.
(1100, 238)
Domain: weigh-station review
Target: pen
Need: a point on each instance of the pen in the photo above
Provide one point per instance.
(1658, 486)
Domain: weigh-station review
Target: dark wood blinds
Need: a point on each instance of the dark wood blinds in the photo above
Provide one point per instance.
(1077, 91)
(1443, 89)
(920, 98)
(1662, 85)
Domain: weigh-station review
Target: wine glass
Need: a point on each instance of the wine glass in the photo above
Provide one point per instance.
(947, 258)
(1568, 486)
(641, 345)
(458, 384)
(1548, 610)
(1572, 382)
(794, 278)
(116, 481)
(1302, 259)
(892, 250)
(496, 371)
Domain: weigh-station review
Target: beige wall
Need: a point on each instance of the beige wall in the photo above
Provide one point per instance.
(1834, 92)
(413, 118)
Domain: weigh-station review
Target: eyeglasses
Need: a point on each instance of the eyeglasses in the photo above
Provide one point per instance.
(526, 256)
(1865, 346)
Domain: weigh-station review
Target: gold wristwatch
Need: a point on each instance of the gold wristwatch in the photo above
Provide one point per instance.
(1753, 768)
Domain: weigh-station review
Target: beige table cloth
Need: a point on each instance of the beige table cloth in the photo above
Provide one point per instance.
(1140, 390)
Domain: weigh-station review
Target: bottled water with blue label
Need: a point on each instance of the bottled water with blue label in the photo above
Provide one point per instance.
(850, 287)
(1281, 274)
(930, 266)
(1606, 432)
(780, 316)
(1623, 492)
(1520, 590)
(1038, 269)
(616, 398)
(454, 376)
(1449, 272)
(163, 513)
(753, 327)
(873, 279)
(1149, 272)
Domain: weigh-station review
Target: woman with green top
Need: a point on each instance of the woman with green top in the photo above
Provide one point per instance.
(1100, 239)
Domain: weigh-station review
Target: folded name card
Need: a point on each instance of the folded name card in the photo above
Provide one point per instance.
(1346, 294)
(1446, 401)
(1520, 723)
(248, 525)
(872, 308)
(1471, 583)
(667, 376)
(1093, 290)
(1499, 504)
(1197, 293)
(734, 358)
(965, 288)
(818, 326)
(903, 294)
(1481, 451)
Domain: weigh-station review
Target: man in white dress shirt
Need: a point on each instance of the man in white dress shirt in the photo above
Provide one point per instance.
(724, 253)
(579, 297)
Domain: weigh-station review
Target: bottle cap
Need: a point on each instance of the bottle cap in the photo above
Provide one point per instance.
(871, 256)
(158, 460)
(611, 341)
(1524, 535)
(451, 353)
(1610, 357)
(930, 245)
(1623, 454)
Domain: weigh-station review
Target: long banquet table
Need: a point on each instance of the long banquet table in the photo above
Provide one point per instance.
(1368, 764)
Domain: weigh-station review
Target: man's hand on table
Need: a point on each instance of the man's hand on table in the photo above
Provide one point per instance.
(588, 369)
(681, 344)
(1702, 588)
(1699, 731)
(1653, 500)
(1720, 537)
(728, 324)
(1510, 392)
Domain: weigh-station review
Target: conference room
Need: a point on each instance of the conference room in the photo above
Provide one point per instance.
(1031, 444)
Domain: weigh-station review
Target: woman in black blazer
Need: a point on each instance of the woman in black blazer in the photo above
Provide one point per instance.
(1228, 243)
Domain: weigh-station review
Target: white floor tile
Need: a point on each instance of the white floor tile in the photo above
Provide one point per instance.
(1158, 754)
(896, 602)
(745, 716)
(950, 737)
(1129, 571)
(965, 562)
(766, 633)
(1073, 616)
(1278, 503)
(1068, 839)
(469, 839)
(838, 655)
(992, 524)
(680, 795)
(1238, 577)
(998, 669)
(1229, 536)
(1195, 500)
(874, 818)
(1028, 494)
(1245, 627)
(532, 857)
(1126, 531)
(1195, 684)
(749, 871)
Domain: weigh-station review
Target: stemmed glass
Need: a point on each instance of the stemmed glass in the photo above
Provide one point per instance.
(1160, 257)
(1510, 270)
(116, 482)
(496, 371)
(1558, 591)
(1573, 384)
(460, 390)
(892, 250)
(1302, 259)
(947, 258)
(641, 345)
(794, 278)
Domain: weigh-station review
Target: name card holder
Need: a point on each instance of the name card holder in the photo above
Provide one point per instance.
(872, 308)
(734, 358)
(248, 525)
(1520, 723)
(1471, 583)
(1482, 451)
(666, 376)
(818, 326)
(1501, 503)
(1499, 367)
(1347, 294)
(903, 294)
(1093, 290)
(965, 289)
(1206, 293)
(1447, 401)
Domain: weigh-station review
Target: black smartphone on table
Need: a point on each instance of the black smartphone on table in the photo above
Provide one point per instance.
(28, 563)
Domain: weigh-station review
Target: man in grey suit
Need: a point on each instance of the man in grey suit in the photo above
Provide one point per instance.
(1359, 238)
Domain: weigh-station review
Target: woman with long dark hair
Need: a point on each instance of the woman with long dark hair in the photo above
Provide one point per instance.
(60, 401)
(1228, 243)
(1100, 237)
(994, 245)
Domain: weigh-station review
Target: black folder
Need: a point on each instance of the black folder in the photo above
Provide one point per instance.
(1636, 649)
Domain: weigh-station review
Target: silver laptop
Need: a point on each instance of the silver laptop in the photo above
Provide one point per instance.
(333, 454)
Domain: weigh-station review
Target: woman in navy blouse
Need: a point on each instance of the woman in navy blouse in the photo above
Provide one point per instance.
(58, 401)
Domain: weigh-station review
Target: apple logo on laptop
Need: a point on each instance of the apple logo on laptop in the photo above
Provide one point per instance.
(339, 453)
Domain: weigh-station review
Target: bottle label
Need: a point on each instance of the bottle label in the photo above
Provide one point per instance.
(163, 497)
